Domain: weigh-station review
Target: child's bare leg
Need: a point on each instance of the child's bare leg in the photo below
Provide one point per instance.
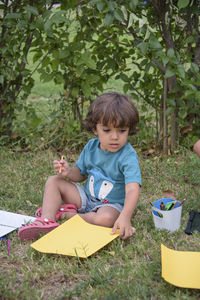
(105, 216)
(57, 189)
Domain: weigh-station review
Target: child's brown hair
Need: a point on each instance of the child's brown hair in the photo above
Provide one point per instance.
(112, 109)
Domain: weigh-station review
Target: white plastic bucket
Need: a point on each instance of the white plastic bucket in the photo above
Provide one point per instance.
(169, 219)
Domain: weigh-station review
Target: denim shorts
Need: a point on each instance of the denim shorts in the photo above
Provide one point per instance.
(91, 205)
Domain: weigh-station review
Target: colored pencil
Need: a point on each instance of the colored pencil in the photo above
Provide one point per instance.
(60, 169)
(182, 202)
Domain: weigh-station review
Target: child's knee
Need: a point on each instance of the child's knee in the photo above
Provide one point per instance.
(52, 180)
(104, 220)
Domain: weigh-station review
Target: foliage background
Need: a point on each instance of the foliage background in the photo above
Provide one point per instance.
(148, 49)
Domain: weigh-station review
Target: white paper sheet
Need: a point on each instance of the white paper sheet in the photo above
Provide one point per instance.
(11, 221)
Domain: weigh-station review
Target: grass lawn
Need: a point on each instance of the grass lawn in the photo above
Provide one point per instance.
(128, 269)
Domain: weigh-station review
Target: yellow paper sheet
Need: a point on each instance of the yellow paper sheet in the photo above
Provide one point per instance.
(181, 268)
(75, 237)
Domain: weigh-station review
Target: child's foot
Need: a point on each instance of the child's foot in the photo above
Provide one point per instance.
(63, 208)
(41, 225)
(67, 215)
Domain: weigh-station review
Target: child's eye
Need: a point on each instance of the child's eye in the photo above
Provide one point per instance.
(123, 130)
(106, 130)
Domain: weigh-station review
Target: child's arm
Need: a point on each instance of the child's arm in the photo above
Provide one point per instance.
(196, 148)
(123, 222)
(72, 173)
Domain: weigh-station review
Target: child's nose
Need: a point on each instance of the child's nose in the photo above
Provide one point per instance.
(114, 135)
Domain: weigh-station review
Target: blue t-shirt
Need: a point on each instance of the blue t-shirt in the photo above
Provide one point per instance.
(108, 172)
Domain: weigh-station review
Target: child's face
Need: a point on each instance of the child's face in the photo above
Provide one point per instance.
(111, 138)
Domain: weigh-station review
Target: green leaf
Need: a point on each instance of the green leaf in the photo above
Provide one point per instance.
(182, 114)
(193, 87)
(119, 15)
(100, 5)
(1, 79)
(37, 56)
(75, 92)
(190, 39)
(124, 77)
(143, 46)
(181, 71)
(111, 5)
(13, 16)
(171, 102)
(171, 53)
(46, 77)
(132, 19)
(108, 19)
(59, 17)
(169, 73)
(69, 4)
(45, 61)
(91, 79)
(64, 53)
(47, 25)
(148, 67)
(133, 4)
(127, 87)
(153, 41)
(91, 64)
(86, 89)
(87, 60)
(31, 9)
(169, 110)
(183, 3)
(54, 64)
(194, 67)
(80, 69)
(165, 60)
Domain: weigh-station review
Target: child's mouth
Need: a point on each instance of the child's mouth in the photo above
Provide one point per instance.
(114, 145)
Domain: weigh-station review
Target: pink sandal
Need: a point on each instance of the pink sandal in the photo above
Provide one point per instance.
(63, 208)
(31, 231)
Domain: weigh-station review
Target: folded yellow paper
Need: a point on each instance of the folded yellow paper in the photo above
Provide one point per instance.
(181, 268)
(75, 237)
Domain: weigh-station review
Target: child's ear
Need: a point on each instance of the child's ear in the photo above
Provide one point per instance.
(94, 131)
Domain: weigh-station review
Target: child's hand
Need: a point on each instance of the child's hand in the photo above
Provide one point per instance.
(61, 167)
(124, 226)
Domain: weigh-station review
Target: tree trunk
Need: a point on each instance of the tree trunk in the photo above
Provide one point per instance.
(174, 115)
(165, 121)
